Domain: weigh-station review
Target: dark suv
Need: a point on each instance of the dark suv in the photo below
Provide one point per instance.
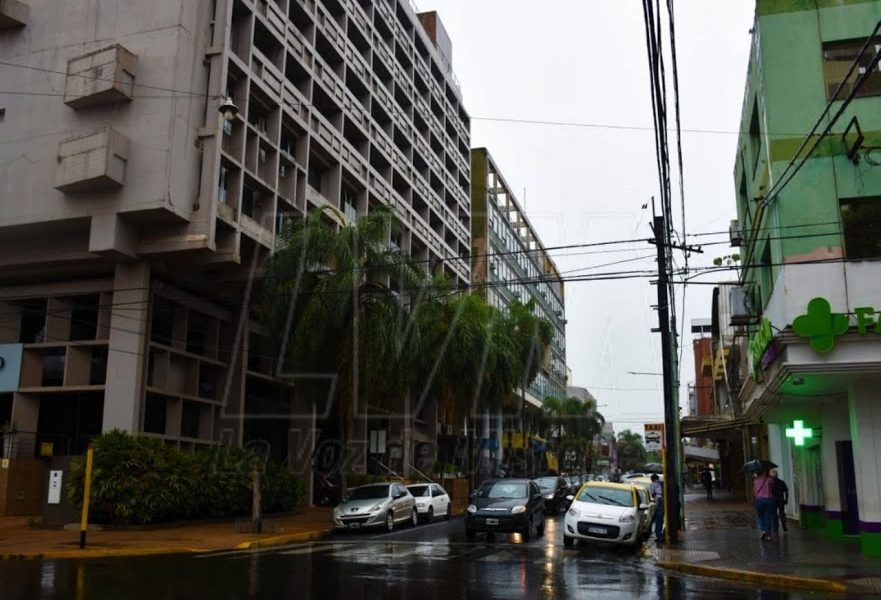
(505, 506)
(554, 490)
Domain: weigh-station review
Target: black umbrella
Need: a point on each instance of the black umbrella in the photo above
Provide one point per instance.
(653, 468)
(758, 465)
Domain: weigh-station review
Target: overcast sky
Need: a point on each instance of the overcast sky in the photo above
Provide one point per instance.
(584, 61)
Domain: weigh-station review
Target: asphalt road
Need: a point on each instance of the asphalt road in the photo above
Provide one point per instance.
(429, 562)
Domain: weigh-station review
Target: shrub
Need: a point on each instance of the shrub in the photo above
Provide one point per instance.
(138, 480)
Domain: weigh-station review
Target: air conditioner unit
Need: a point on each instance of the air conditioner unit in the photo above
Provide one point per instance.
(743, 309)
(735, 234)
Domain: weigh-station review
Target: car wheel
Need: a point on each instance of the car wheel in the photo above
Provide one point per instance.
(430, 516)
(568, 540)
(414, 518)
(449, 512)
(390, 521)
(470, 534)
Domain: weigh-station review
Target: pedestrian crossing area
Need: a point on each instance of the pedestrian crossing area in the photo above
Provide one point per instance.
(392, 552)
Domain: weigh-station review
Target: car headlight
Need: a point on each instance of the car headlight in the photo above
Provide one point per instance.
(472, 509)
(518, 509)
(574, 512)
(375, 507)
(627, 519)
(549, 497)
(336, 511)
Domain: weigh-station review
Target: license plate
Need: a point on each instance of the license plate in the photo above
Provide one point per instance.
(354, 525)
(492, 521)
(599, 530)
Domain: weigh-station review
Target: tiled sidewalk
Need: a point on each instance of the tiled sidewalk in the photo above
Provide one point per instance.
(17, 540)
(723, 534)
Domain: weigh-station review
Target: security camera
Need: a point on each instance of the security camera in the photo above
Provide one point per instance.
(228, 109)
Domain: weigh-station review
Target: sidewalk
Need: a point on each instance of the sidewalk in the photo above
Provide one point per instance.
(721, 540)
(17, 540)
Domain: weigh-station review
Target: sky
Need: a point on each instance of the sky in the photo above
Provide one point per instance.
(584, 61)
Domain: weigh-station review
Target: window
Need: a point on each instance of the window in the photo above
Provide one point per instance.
(755, 135)
(861, 225)
(837, 58)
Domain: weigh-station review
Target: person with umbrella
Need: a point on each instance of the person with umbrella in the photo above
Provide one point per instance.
(763, 495)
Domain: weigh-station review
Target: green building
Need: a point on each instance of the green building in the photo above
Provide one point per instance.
(808, 349)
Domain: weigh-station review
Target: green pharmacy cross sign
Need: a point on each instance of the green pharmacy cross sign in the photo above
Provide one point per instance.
(821, 326)
(799, 433)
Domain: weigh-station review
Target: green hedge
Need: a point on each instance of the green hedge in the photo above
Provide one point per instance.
(138, 480)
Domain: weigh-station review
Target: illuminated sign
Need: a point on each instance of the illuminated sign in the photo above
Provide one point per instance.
(799, 433)
(821, 326)
(758, 344)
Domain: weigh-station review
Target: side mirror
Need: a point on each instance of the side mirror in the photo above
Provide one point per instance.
(643, 507)
(570, 497)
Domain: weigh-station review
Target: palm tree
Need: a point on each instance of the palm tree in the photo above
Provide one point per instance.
(575, 423)
(330, 300)
(534, 336)
(631, 451)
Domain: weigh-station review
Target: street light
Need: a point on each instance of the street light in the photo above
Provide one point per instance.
(228, 109)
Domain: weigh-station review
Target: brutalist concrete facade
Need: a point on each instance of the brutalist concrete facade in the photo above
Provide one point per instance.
(133, 216)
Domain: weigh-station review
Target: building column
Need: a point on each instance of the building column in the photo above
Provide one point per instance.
(126, 358)
(835, 427)
(865, 426)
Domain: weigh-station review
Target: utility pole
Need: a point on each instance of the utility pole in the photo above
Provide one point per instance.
(672, 507)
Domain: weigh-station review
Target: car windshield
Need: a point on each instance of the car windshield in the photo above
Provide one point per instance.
(608, 496)
(369, 492)
(502, 490)
(546, 482)
(419, 490)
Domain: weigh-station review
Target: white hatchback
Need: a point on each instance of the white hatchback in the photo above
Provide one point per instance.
(431, 501)
(606, 512)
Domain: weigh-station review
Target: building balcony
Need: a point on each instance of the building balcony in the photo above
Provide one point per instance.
(101, 77)
(92, 162)
(13, 14)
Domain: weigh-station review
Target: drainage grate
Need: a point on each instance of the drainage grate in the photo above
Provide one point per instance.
(870, 583)
(664, 555)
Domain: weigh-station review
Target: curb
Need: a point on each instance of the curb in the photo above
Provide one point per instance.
(277, 540)
(770, 579)
(281, 540)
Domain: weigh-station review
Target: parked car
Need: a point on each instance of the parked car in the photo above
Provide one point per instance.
(554, 489)
(607, 513)
(431, 501)
(643, 488)
(629, 476)
(376, 505)
(505, 506)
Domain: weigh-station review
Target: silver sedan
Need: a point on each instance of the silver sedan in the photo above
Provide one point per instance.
(376, 505)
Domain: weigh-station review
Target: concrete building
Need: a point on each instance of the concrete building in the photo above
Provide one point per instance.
(134, 216)
(510, 264)
(808, 304)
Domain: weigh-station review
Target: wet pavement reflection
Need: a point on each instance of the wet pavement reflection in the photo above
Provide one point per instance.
(430, 562)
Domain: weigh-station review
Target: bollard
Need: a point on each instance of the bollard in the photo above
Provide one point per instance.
(87, 491)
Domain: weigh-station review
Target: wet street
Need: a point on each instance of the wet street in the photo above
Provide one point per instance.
(428, 562)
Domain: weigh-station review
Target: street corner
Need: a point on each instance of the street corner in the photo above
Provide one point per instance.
(284, 539)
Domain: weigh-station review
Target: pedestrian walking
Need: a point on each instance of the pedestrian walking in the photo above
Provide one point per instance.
(657, 490)
(764, 501)
(780, 494)
(707, 480)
